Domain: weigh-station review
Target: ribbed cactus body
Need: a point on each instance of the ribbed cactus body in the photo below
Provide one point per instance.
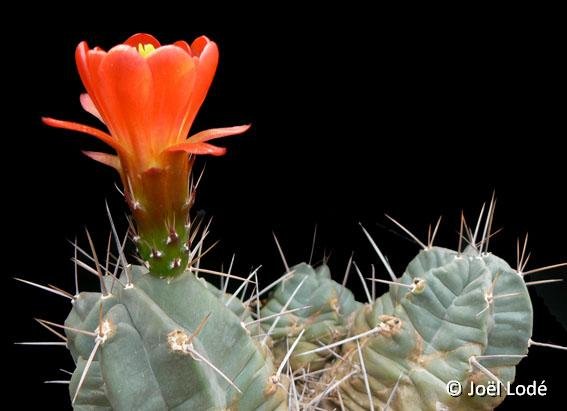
(324, 321)
(464, 310)
(450, 317)
(149, 357)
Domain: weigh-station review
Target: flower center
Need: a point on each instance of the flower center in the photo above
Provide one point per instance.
(145, 49)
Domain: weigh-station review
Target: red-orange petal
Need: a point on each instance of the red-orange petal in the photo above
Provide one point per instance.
(81, 59)
(107, 159)
(88, 105)
(69, 125)
(182, 44)
(124, 90)
(87, 64)
(142, 38)
(208, 59)
(198, 148)
(199, 44)
(213, 133)
(173, 75)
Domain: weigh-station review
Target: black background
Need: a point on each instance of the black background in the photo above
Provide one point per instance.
(355, 113)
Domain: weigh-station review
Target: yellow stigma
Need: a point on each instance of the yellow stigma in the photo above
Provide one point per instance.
(145, 49)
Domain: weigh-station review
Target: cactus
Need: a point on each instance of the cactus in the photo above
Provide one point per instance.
(322, 309)
(156, 345)
(157, 336)
(453, 317)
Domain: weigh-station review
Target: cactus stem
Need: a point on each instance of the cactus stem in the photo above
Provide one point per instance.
(43, 343)
(269, 317)
(474, 362)
(50, 288)
(287, 355)
(363, 283)
(547, 267)
(539, 344)
(313, 244)
(393, 393)
(380, 327)
(282, 310)
(365, 376)
(408, 232)
(554, 280)
(286, 266)
(382, 258)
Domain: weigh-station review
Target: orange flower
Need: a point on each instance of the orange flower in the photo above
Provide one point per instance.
(148, 96)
